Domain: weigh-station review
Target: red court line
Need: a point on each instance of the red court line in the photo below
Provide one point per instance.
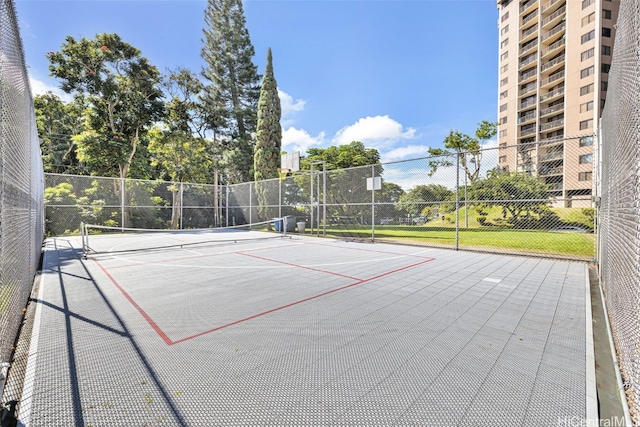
(299, 266)
(168, 341)
(282, 307)
(148, 318)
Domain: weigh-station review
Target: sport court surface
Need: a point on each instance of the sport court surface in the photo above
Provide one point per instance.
(306, 331)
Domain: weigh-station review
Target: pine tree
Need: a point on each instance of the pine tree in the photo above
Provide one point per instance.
(266, 157)
(231, 97)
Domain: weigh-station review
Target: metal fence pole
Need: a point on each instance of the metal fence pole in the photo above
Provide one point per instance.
(457, 202)
(373, 204)
(324, 198)
(181, 204)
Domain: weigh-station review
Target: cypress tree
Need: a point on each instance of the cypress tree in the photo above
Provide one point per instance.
(231, 97)
(266, 158)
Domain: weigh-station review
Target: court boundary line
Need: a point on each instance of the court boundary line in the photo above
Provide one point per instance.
(171, 342)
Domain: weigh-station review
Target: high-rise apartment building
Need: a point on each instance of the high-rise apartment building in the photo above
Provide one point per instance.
(554, 59)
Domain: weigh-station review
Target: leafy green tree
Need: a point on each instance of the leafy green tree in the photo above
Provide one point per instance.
(467, 150)
(121, 90)
(57, 123)
(231, 97)
(422, 200)
(343, 156)
(519, 194)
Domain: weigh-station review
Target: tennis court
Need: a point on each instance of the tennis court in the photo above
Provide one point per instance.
(304, 331)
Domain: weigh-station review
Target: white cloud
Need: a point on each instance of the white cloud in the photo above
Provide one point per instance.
(288, 105)
(39, 87)
(378, 131)
(299, 140)
(406, 152)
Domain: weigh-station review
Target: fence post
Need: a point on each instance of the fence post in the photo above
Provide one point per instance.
(181, 204)
(457, 202)
(122, 224)
(250, 202)
(373, 204)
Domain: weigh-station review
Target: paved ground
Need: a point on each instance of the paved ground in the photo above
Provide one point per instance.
(307, 331)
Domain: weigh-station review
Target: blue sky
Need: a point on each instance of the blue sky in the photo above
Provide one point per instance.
(396, 75)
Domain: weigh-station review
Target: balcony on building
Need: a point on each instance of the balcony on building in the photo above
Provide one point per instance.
(557, 30)
(527, 117)
(529, 33)
(527, 130)
(553, 64)
(553, 49)
(550, 6)
(528, 47)
(552, 124)
(554, 78)
(553, 94)
(530, 18)
(528, 88)
(528, 75)
(528, 102)
(529, 59)
(551, 19)
(552, 154)
(528, 6)
(552, 109)
(554, 168)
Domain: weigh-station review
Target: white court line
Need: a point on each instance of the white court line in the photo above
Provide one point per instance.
(24, 414)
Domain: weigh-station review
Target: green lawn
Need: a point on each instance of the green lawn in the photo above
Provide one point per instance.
(525, 241)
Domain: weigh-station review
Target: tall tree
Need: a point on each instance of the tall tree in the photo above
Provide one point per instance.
(121, 89)
(57, 123)
(231, 97)
(266, 157)
(466, 149)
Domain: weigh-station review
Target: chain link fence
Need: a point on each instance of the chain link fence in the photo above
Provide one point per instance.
(21, 185)
(459, 201)
(619, 213)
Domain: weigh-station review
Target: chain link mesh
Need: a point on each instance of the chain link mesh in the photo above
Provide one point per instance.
(619, 213)
(21, 183)
(446, 201)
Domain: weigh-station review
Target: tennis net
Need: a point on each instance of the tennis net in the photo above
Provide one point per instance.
(97, 239)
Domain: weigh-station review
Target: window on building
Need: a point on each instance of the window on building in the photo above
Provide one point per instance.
(504, 42)
(586, 124)
(588, 36)
(504, 81)
(504, 29)
(504, 56)
(503, 107)
(587, 106)
(586, 3)
(503, 133)
(502, 145)
(588, 19)
(605, 68)
(504, 94)
(502, 159)
(587, 54)
(504, 17)
(586, 89)
(586, 141)
(606, 14)
(584, 176)
(503, 120)
(606, 50)
(585, 158)
(606, 32)
(586, 72)
(504, 68)
(604, 85)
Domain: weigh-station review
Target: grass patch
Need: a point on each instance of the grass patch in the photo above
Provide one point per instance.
(527, 241)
